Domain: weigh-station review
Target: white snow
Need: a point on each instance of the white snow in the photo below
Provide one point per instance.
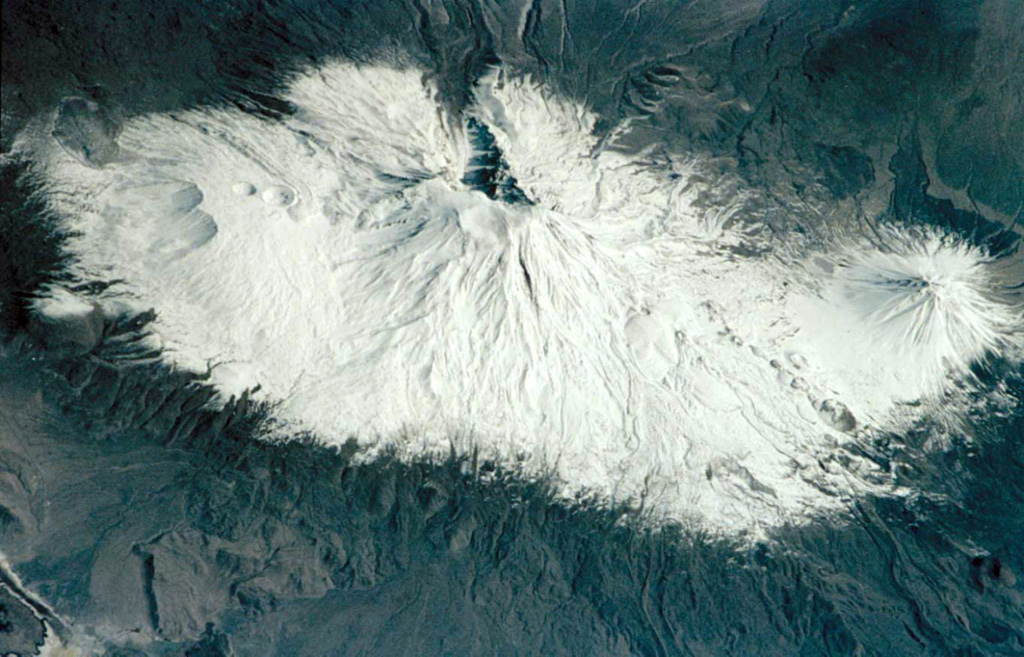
(58, 303)
(608, 334)
(892, 324)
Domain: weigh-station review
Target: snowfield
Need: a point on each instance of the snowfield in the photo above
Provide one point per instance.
(601, 323)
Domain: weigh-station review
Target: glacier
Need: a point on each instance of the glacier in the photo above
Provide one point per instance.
(501, 281)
